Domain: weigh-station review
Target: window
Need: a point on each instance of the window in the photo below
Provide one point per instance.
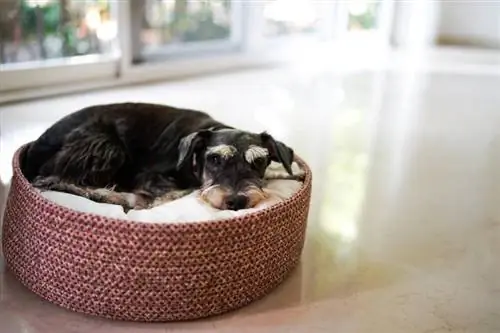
(49, 43)
(39, 30)
(172, 22)
(54, 45)
(186, 26)
(285, 17)
(363, 15)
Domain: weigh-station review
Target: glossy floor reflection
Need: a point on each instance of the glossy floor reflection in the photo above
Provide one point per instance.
(404, 229)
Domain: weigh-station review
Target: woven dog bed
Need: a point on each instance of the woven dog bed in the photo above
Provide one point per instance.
(149, 272)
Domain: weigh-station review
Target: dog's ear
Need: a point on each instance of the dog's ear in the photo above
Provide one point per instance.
(278, 152)
(191, 144)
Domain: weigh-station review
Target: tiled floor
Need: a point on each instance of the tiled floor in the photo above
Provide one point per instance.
(405, 223)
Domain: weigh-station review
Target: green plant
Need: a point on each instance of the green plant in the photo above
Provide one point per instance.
(50, 14)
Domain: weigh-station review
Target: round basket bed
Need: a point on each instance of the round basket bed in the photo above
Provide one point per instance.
(137, 271)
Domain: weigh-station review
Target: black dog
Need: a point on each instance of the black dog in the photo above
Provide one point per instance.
(151, 151)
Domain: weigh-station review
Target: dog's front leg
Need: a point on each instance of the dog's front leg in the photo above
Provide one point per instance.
(103, 195)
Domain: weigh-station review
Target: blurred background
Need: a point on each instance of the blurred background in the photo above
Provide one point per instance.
(394, 104)
(58, 42)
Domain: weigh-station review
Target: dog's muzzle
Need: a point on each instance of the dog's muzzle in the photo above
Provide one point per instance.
(221, 197)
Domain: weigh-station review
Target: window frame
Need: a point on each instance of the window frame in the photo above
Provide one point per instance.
(52, 72)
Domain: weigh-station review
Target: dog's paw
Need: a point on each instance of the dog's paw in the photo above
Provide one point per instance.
(46, 183)
(126, 200)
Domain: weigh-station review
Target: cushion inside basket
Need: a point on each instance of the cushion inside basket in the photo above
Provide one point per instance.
(188, 208)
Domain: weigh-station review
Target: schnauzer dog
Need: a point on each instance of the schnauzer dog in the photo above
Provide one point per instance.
(137, 154)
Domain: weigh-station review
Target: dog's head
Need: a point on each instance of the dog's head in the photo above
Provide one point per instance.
(230, 164)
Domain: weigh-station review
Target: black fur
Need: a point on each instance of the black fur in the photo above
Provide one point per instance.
(132, 145)
(142, 148)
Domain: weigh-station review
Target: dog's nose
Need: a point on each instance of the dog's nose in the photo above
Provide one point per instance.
(236, 202)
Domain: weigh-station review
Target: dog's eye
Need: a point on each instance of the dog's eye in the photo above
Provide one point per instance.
(215, 159)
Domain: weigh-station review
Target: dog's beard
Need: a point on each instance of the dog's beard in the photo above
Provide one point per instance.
(215, 195)
(255, 195)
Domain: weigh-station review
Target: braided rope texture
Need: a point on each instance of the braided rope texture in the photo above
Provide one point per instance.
(135, 271)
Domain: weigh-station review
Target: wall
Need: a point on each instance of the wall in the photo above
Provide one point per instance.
(470, 23)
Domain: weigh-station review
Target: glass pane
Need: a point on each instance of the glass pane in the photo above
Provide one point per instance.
(33, 30)
(284, 17)
(182, 21)
(363, 15)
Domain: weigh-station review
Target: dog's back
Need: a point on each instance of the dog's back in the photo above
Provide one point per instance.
(134, 125)
(50, 142)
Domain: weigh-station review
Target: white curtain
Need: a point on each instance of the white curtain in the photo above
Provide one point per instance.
(415, 24)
